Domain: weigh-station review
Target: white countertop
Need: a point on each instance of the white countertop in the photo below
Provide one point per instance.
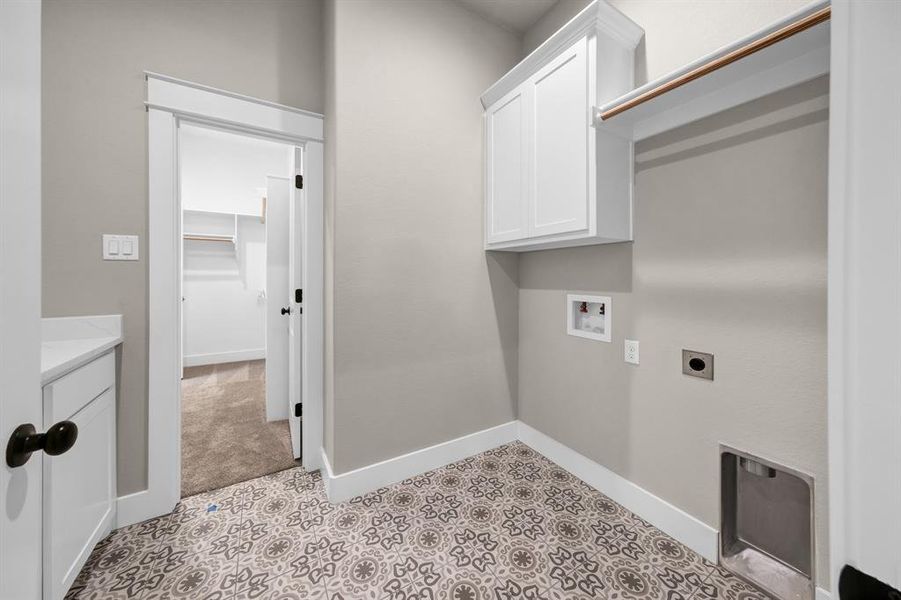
(70, 342)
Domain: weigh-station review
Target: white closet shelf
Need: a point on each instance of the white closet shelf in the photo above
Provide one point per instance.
(788, 52)
(204, 211)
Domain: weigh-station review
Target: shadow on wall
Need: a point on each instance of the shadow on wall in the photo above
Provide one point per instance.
(641, 64)
(503, 277)
(783, 111)
(583, 269)
(749, 214)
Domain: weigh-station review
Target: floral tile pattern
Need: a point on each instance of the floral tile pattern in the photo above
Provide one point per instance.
(507, 524)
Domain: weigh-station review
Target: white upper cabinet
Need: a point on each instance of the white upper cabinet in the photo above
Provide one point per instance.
(544, 185)
(505, 123)
(559, 145)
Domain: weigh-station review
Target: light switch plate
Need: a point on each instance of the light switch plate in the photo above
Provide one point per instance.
(120, 247)
(630, 352)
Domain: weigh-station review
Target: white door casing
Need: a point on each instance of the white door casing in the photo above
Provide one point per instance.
(278, 197)
(20, 292)
(170, 100)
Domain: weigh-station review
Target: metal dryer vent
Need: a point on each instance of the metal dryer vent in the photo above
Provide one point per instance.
(756, 468)
(767, 524)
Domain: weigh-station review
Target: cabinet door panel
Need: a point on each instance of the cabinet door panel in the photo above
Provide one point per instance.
(560, 150)
(79, 495)
(506, 214)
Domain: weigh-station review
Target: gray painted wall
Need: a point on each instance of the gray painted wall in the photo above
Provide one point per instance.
(677, 31)
(730, 258)
(329, 46)
(95, 144)
(424, 320)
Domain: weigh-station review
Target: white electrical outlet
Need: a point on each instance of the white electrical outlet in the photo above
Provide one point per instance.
(631, 352)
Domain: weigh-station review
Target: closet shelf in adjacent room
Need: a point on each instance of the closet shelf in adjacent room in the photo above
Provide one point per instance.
(204, 211)
(788, 52)
(210, 226)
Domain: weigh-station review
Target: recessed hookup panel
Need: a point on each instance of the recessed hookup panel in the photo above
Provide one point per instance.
(697, 364)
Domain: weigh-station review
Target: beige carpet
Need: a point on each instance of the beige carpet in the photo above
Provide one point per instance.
(225, 437)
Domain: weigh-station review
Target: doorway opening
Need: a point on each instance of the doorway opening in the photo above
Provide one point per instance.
(235, 192)
(173, 104)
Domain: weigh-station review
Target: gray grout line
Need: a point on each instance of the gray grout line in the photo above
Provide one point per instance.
(315, 530)
(238, 553)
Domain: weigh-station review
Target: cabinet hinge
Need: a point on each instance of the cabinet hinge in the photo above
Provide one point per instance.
(298, 181)
(298, 410)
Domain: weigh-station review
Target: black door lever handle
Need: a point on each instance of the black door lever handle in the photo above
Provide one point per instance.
(286, 311)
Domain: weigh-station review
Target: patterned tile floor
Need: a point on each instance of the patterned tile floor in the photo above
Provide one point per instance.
(506, 524)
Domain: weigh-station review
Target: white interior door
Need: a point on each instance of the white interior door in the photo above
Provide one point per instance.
(865, 292)
(295, 301)
(278, 196)
(313, 331)
(20, 294)
(181, 286)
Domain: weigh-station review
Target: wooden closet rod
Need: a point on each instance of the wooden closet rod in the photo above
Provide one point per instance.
(718, 63)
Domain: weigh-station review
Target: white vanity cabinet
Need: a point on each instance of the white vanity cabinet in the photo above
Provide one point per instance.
(80, 484)
(551, 179)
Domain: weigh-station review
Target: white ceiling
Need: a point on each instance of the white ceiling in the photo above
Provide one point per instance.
(516, 15)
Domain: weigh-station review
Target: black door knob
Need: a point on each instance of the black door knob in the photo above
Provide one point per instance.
(286, 311)
(25, 440)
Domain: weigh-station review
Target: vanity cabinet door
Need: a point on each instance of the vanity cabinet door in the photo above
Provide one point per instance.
(506, 208)
(560, 148)
(79, 485)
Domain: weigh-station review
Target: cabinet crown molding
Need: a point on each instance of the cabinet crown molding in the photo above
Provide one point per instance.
(598, 17)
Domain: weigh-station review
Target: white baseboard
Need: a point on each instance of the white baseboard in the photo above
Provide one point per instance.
(697, 535)
(216, 358)
(138, 507)
(823, 594)
(327, 473)
(692, 532)
(365, 479)
(132, 508)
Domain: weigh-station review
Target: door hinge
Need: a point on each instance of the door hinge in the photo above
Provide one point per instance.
(298, 410)
(298, 295)
(298, 181)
